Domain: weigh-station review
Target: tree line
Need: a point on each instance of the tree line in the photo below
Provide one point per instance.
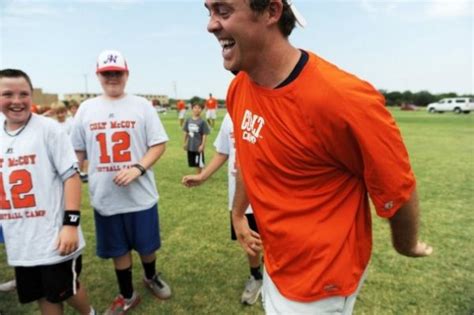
(392, 98)
(422, 98)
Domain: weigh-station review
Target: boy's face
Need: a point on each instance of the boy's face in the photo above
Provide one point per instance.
(73, 110)
(196, 110)
(15, 100)
(113, 82)
(61, 115)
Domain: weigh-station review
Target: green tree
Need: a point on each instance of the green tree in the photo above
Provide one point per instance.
(423, 98)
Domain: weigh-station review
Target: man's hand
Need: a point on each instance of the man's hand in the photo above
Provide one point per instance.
(201, 148)
(68, 240)
(248, 239)
(404, 226)
(126, 176)
(192, 180)
(421, 249)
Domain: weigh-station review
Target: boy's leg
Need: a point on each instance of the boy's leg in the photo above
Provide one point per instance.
(253, 286)
(128, 298)
(145, 227)
(80, 302)
(48, 308)
(113, 241)
(123, 272)
(200, 161)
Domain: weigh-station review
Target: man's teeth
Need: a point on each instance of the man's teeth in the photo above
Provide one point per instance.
(226, 43)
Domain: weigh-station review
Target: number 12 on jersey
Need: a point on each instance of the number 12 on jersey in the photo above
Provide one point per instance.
(120, 147)
(21, 185)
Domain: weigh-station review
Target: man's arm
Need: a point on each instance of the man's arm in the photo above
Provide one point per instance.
(404, 226)
(248, 239)
(68, 240)
(195, 180)
(128, 175)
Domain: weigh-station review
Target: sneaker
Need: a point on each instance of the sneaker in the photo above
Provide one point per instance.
(158, 287)
(8, 286)
(252, 291)
(121, 305)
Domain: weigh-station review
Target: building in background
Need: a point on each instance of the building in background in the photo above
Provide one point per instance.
(79, 97)
(44, 99)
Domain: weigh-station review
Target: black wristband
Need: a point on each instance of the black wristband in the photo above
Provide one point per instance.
(140, 168)
(72, 217)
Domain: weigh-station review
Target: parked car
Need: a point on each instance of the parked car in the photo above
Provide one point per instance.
(406, 106)
(455, 104)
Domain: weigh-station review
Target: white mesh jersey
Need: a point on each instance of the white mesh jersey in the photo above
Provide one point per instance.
(225, 144)
(116, 134)
(33, 166)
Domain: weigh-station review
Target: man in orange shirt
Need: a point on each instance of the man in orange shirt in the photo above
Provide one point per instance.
(181, 108)
(211, 108)
(313, 143)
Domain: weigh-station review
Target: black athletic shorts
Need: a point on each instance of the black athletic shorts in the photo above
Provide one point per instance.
(56, 283)
(196, 159)
(252, 225)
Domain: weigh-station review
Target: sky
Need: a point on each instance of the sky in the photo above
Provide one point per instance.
(396, 45)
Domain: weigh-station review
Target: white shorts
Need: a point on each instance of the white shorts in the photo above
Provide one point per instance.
(211, 114)
(275, 303)
(181, 114)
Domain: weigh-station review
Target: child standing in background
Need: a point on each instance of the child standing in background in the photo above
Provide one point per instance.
(195, 135)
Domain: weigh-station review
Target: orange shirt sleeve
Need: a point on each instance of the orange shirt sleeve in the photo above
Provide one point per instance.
(362, 136)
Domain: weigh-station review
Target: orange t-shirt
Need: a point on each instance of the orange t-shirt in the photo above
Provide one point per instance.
(310, 154)
(180, 105)
(211, 103)
(34, 108)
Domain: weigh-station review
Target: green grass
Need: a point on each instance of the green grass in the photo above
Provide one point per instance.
(207, 271)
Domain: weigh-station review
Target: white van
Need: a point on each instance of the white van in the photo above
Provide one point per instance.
(456, 104)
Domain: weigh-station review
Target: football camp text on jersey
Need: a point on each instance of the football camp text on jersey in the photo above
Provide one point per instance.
(251, 125)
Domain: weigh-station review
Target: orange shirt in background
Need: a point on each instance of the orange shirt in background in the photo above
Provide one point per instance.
(211, 103)
(180, 105)
(34, 108)
(310, 153)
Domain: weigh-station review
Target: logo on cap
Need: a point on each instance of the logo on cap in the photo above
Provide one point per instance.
(111, 59)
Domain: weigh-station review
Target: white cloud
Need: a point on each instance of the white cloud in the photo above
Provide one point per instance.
(450, 8)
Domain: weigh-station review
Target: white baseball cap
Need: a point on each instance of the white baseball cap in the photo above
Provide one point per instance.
(111, 60)
(298, 16)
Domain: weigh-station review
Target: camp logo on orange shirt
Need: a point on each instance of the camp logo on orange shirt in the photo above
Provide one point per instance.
(251, 126)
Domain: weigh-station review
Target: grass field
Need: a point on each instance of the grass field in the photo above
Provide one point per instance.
(207, 271)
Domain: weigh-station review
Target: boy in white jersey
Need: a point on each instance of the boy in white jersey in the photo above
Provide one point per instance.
(60, 114)
(225, 150)
(40, 197)
(123, 138)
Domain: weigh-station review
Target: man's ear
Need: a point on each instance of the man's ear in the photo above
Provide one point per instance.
(275, 10)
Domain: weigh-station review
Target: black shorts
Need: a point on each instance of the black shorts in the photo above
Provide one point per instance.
(196, 159)
(56, 283)
(252, 225)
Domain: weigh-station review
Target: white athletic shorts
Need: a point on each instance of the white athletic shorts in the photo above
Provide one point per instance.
(181, 114)
(275, 303)
(211, 114)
